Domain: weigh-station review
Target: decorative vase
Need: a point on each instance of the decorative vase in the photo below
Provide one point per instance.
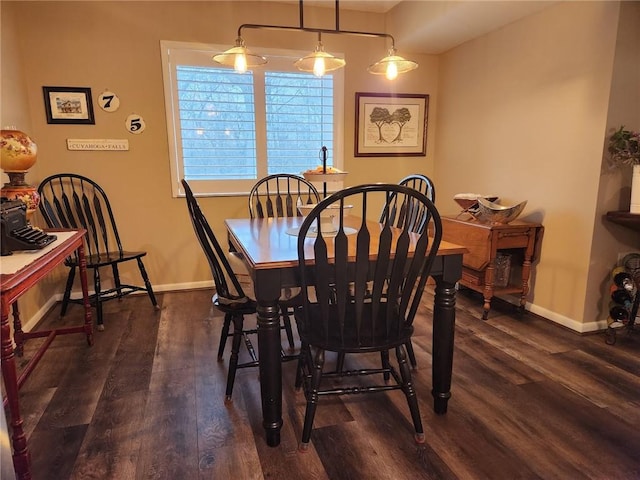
(635, 190)
(18, 153)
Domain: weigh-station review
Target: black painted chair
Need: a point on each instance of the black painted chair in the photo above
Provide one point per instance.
(68, 200)
(279, 195)
(352, 304)
(412, 213)
(415, 216)
(230, 298)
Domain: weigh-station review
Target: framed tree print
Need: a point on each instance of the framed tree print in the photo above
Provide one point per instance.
(389, 125)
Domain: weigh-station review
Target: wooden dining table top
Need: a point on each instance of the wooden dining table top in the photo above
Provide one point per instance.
(268, 243)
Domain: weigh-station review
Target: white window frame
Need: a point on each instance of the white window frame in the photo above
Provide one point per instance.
(200, 54)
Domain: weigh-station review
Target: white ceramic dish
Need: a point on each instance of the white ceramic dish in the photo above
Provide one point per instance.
(328, 217)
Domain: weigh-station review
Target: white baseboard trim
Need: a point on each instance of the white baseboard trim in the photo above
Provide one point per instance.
(563, 320)
(168, 287)
(39, 315)
(570, 323)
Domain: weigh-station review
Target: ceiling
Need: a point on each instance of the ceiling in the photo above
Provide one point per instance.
(435, 26)
(378, 6)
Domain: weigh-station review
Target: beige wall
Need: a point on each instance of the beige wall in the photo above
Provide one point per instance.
(522, 114)
(116, 46)
(14, 99)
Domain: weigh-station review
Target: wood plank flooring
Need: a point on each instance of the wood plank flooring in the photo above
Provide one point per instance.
(530, 400)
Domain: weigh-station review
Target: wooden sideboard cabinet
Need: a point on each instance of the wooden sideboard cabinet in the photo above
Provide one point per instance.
(485, 241)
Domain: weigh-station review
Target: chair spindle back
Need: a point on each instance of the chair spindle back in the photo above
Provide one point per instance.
(365, 303)
(279, 195)
(228, 287)
(409, 211)
(69, 200)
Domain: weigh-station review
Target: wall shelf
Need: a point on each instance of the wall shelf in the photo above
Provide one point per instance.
(629, 220)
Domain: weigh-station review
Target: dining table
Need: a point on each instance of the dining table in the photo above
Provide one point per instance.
(268, 247)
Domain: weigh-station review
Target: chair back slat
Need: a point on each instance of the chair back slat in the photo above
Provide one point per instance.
(289, 203)
(65, 211)
(83, 207)
(46, 205)
(362, 289)
(279, 195)
(101, 223)
(227, 285)
(269, 203)
(73, 201)
(279, 202)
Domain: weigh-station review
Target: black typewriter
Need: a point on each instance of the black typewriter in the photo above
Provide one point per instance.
(17, 233)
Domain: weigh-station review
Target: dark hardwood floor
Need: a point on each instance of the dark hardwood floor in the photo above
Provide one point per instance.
(530, 400)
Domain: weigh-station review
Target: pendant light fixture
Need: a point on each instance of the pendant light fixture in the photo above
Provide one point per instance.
(392, 65)
(239, 57)
(319, 62)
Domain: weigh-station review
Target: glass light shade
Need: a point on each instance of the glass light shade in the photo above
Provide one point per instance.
(239, 57)
(319, 62)
(392, 65)
(18, 152)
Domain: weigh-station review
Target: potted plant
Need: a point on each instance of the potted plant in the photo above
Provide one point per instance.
(624, 149)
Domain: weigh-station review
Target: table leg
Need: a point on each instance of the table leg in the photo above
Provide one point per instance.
(270, 369)
(18, 334)
(444, 319)
(21, 458)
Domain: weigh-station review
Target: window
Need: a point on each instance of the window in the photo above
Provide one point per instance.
(226, 130)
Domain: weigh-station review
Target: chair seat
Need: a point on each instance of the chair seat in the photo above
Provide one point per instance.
(369, 338)
(242, 305)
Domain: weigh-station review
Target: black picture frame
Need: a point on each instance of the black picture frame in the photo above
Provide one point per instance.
(391, 125)
(68, 105)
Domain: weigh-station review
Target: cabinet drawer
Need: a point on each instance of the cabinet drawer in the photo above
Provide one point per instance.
(472, 277)
(514, 238)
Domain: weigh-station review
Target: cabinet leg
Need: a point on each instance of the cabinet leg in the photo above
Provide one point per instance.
(487, 305)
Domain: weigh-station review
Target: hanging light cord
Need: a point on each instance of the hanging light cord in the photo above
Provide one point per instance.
(302, 28)
(319, 62)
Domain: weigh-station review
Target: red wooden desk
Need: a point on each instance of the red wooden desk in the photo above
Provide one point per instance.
(21, 271)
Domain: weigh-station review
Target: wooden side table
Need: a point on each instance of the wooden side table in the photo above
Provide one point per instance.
(484, 242)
